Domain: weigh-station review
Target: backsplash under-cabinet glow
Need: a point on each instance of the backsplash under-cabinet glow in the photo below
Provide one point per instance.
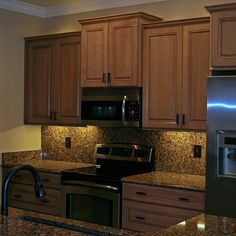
(174, 150)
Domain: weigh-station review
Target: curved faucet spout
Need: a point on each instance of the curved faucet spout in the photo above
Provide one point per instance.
(39, 189)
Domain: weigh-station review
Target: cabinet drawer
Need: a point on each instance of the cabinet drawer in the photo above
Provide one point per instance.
(25, 177)
(23, 196)
(164, 196)
(149, 217)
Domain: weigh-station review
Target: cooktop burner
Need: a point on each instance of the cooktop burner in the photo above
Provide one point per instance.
(113, 161)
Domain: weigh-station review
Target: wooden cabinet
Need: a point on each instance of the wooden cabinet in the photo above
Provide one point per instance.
(176, 65)
(223, 36)
(111, 50)
(22, 192)
(151, 208)
(52, 77)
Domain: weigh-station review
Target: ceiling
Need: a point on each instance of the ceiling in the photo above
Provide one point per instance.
(51, 3)
(49, 8)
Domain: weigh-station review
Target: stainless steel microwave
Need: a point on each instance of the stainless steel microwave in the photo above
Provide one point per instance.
(111, 107)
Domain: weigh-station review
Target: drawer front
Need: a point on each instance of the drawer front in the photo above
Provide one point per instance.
(146, 217)
(23, 196)
(25, 177)
(164, 196)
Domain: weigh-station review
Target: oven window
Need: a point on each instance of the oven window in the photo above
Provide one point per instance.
(101, 110)
(89, 208)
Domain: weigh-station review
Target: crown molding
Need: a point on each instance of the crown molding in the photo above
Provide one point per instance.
(92, 6)
(44, 12)
(22, 7)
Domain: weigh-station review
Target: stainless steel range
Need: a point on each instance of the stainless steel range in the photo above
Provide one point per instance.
(93, 194)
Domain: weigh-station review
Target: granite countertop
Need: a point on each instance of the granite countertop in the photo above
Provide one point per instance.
(201, 225)
(19, 221)
(169, 179)
(48, 165)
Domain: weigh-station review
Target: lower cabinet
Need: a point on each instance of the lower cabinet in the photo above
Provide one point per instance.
(150, 208)
(22, 192)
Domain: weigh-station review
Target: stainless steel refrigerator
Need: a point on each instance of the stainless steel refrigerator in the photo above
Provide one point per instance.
(221, 146)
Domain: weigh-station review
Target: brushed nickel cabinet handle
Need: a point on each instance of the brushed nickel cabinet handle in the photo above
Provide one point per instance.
(18, 176)
(55, 115)
(183, 119)
(17, 196)
(51, 115)
(184, 199)
(109, 77)
(140, 217)
(46, 180)
(44, 201)
(177, 119)
(141, 193)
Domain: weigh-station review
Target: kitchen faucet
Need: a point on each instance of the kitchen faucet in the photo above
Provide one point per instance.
(39, 189)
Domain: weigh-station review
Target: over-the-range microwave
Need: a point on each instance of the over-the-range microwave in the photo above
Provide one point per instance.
(111, 107)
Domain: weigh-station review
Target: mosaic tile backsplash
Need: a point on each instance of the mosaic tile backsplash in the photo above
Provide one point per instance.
(174, 150)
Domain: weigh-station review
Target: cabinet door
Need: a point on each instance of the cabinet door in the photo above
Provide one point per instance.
(94, 55)
(162, 77)
(67, 87)
(196, 50)
(223, 51)
(40, 67)
(123, 52)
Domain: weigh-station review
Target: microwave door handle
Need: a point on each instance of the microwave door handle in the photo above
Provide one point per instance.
(123, 110)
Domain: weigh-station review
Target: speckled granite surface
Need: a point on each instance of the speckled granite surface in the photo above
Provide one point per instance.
(202, 225)
(17, 223)
(169, 179)
(174, 149)
(35, 159)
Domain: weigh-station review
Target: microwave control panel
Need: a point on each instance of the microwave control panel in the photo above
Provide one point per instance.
(132, 111)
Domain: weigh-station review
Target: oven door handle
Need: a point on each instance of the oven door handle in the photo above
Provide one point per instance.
(89, 184)
(123, 110)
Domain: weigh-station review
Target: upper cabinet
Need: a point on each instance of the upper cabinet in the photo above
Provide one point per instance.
(52, 77)
(223, 36)
(176, 65)
(112, 49)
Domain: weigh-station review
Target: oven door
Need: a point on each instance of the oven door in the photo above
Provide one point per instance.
(91, 202)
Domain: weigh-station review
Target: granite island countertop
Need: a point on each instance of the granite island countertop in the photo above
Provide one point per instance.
(18, 223)
(201, 225)
(168, 179)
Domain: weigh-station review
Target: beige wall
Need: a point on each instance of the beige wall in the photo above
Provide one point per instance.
(14, 135)
(168, 10)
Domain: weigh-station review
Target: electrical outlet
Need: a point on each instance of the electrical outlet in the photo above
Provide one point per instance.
(68, 142)
(197, 151)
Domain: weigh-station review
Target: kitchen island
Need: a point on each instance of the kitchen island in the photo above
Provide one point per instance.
(20, 222)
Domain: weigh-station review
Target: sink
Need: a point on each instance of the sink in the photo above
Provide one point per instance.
(88, 231)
